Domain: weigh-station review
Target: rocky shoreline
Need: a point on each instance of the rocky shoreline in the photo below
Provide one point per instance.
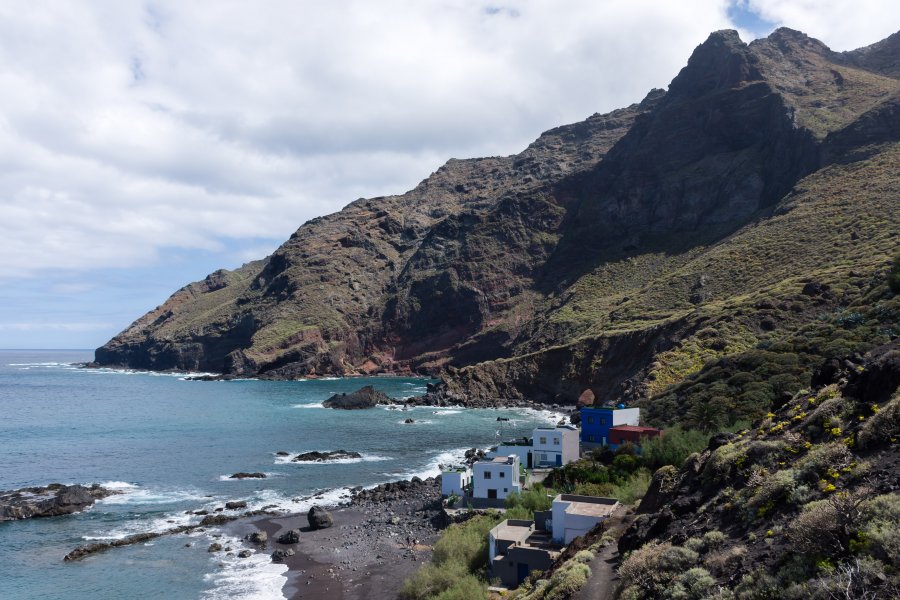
(52, 500)
(377, 539)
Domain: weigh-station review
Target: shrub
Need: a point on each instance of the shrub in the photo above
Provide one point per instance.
(584, 556)
(758, 585)
(465, 543)
(714, 539)
(826, 527)
(882, 427)
(821, 458)
(673, 447)
(727, 561)
(468, 587)
(881, 532)
(633, 488)
(724, 463)
(432, 579)
(772, 490)
(694, 584)
(894, 275)
(567, 580)
(530, 500)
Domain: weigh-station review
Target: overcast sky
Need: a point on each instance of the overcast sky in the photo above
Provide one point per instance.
(145, 144)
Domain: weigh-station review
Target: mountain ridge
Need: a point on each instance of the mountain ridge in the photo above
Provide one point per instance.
(588, 259)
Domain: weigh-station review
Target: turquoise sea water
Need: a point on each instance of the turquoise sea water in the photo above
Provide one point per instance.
(169, 445)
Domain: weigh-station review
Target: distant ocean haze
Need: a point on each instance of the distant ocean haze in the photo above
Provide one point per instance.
(170, 445)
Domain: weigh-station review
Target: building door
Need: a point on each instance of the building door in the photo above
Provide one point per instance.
(492, 493)
(559, 460)
(522, 571)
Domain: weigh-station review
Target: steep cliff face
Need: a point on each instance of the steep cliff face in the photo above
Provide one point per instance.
(593, 259)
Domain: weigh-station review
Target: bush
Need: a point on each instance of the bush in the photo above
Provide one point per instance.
(431, 580)
(530, 500)
(465, 544)
(651, 569)
(881, 532)
(567, 580)
(894, 275)
(694, 584)
(821, 458)
(583, 556)
(673, 447)
(883, 426)
(727, 561)
(826, 527)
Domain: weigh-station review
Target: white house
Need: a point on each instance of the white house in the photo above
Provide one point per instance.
(496, 478)
(520, 449)
(554, 447)
(456, 481)
(576, 515)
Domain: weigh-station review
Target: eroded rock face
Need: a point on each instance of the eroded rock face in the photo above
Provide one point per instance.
(575, 264)
(51, 501)
(364, 397)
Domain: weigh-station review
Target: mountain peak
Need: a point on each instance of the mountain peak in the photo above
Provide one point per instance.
(722, 62)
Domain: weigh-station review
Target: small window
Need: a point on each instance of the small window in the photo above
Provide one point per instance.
(592, 438)
(487, 474)
(590, 420)
(543, 440)
(502, 474)
(505, 490)
(556, 441)
(603, 421)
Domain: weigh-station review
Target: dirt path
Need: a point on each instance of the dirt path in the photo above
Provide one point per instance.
(604, 580)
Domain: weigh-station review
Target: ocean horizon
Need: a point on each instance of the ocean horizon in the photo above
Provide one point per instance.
(169, 445)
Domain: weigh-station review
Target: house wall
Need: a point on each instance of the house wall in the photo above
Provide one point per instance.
(507, 568)
(596, 422)
(565, 527)
(503, 477)
(455, 482)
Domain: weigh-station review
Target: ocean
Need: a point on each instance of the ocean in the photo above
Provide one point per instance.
(169, 445)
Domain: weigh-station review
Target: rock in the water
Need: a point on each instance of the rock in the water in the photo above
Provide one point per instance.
(365, 397)
(282, 553)
(319, 518)
(259, 537)
(51, 501)
(214, 547)
(243, 475)
(290, 537)
(235, 505)
(316, 456)
(245, 554)
(408, 421)
(282, 453)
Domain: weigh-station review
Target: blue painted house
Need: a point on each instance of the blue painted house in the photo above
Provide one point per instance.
(596, 423)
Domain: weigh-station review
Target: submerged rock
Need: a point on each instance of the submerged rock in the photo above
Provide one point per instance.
(243, 475)
(316, 456)
(259, 537)
(280, 554)
(365, 397)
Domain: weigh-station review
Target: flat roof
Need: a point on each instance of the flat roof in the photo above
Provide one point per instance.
(589, 506)
(513, 530)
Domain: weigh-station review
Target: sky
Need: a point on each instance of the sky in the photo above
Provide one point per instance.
(145, 144)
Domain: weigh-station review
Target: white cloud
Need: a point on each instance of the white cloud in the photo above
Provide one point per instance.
(130, 127)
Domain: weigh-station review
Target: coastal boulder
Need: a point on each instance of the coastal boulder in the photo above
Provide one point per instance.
(235, 505)
(214, 547)
(282, 553)
(259, 537)
(289, 537)
(365, 397)
(319, 518)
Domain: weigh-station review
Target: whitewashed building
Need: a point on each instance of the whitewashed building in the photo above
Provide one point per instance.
(456, 481)
(576, 515)
(496, 478)
(554, 447)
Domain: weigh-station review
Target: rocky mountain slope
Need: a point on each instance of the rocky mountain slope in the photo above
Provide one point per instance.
(755, 197)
